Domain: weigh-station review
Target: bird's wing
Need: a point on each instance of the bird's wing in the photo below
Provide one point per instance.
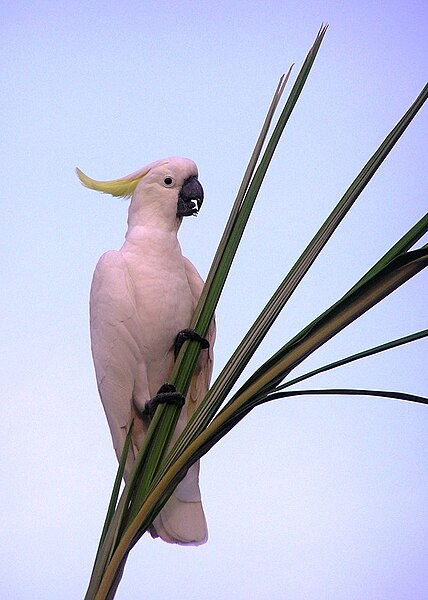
(202, 376)
(182, 520)
(113, 323)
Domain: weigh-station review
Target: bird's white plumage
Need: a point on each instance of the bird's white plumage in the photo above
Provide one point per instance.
(141, 297)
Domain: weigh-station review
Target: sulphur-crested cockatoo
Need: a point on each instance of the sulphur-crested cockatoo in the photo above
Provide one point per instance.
(142, 296)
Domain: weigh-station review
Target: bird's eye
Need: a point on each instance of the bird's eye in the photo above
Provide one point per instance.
(168, 181)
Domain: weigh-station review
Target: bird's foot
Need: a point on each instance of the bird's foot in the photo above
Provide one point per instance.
(167, 394)
(189, 334)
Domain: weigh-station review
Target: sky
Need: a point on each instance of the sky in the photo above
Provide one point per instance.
(311, 498)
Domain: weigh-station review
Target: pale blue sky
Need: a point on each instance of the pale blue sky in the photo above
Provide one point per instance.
(307, 499)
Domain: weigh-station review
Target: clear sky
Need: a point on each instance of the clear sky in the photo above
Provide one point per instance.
(307, 499)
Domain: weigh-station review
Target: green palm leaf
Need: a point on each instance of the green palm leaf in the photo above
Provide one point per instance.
(157, 470)
(364, 354)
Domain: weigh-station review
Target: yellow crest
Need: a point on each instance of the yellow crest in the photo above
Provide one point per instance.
(122, 188)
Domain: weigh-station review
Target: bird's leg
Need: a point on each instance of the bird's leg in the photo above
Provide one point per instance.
(189, 334)
(167, 394)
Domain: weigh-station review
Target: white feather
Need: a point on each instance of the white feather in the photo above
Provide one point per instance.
(141, 297)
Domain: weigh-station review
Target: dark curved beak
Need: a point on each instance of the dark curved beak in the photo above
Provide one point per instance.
(190, 198)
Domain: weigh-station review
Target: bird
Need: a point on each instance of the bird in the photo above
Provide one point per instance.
(142, 296)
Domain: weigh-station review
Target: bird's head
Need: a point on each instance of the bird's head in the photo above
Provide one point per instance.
(164, 191)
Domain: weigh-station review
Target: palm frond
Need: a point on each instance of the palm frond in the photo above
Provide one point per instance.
(158, 468)
(413, 337)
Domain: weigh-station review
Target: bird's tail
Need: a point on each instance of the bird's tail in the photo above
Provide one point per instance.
(182, 520)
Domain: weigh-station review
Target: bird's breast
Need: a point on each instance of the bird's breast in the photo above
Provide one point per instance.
(163, 300)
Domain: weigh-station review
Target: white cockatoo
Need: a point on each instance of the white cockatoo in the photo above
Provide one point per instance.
(141, 297)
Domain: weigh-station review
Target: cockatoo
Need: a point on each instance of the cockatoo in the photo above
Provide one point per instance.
(141, 297)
